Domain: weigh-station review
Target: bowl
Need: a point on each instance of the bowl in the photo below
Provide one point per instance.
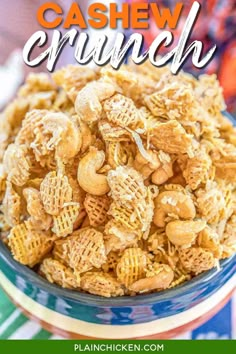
(158, 315)
(80, 315)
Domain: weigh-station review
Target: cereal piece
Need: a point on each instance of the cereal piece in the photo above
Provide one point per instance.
(116, 154)
(173, 202)
(11, 206)
(63, 224)
(58, 273)
(209, 239)
(198, 170)
(61, 250)
(196, 259)
(17, 164)
(173, 139)
(2, 182)
(4, 227)
(125, 216)
(102, 284)
(86, 250)
(182, 233)
(16, 111)
(211, 203)
(111, 262)
(55, 192)
(39, 82)
(126, 185)
(224, 159)
(29, 246)
(112, 133)
(73, 78)
(159, 278)
(156, 241)
(229, 238)
(97, 208)
(132, 266)
(88, 102)
(36, 210)
(172, 102)
(117, 237)
(121, 110)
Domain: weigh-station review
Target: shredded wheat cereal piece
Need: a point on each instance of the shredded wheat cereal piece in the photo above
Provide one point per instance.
(111, 262)
(116, 154)
(29, 246)
(229, 238)
(156, 241)
(121, 110)
(97, 208)
(36, 83)
(196, 259)
(73, 78)
(209, 239)
(181, 279)
(86, 250)
(126, 185)
(63, 224)
(16, 164)
(117, 237)
(58, 273)
(211, 203)
(173, 139)
(132, 266)
(160, 277)
(55, 192)
(112, 133)
(172, 102)
(198, 170)
(102, 284)
(3, 176)
(36, 210)
(11, 206)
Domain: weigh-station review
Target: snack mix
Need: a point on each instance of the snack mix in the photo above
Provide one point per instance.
(118, 182)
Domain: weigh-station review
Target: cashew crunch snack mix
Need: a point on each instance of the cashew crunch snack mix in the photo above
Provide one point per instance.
(118, 182)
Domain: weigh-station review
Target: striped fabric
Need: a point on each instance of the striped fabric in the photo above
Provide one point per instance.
(14, 325)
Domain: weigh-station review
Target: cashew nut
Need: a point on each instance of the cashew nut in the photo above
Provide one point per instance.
(160, 281)
(173, 202)
(88, 178)
(144, 166)
(162, 174)
(184, 232)
(88, 102)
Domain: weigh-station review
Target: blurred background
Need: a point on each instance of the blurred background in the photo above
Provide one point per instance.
(216, 24)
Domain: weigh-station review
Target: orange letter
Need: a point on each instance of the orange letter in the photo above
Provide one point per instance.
(92, 12)
(136, 15)
(166, 17)
(75, 17)
(123, 15)
(41, 12)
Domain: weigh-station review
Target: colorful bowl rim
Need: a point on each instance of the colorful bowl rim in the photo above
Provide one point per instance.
(95, 300)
